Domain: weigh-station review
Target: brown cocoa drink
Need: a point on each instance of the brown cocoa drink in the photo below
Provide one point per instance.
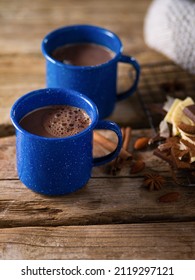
(56, 121)
(83, 54)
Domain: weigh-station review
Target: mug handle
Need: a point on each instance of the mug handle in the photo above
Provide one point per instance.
(114, 127)
(136, 66)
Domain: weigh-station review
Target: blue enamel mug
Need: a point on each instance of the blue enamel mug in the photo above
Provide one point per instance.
(57, 166)
(98, 82)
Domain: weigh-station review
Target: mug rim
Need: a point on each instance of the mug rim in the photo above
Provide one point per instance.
(41, 91)
(59, 63)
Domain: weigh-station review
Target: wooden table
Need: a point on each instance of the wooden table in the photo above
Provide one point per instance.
(112, 217)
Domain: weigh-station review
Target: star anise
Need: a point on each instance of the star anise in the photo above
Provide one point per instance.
(153, 181)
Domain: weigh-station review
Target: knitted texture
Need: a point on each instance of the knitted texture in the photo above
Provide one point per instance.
(169, 28)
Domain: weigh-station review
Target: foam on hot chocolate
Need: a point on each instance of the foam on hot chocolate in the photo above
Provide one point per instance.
(65, 121)
(56, 121)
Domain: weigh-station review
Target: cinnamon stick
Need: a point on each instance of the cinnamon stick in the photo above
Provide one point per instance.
(126, 133)
(127, 137)
(114, 164)
(110, 145)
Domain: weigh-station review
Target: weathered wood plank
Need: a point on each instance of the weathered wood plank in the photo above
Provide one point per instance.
(135, 241)
(101, 201)
(23, 24)
(8, 158)
(19, 74)
(106, 198)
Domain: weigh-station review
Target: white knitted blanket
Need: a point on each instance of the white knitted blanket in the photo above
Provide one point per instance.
(169, 28)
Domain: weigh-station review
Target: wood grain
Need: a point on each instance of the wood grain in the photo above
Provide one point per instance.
(137, 241)
(101, 201)
(105, 199)
(23, 24)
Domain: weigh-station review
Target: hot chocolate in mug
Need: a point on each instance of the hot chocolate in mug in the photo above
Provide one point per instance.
(48, 162)
(85, 58)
